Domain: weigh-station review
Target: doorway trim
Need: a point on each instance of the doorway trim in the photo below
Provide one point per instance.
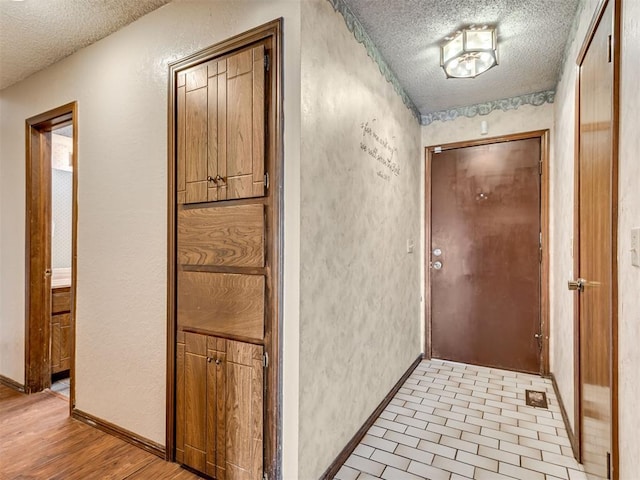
(38, 245)
(615, 131)
(543, 135)
(274, 241)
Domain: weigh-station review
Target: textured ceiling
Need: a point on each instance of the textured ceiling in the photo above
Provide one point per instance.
(37, 33)
(531, 40)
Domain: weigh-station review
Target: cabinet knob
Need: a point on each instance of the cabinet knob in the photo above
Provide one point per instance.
(218, 361)
(209, 359)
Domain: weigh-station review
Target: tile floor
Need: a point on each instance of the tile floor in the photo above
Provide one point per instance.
(62, 386)
(452, 421)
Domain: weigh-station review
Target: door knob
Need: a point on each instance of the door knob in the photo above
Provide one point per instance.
(577, 284)
(47, 272)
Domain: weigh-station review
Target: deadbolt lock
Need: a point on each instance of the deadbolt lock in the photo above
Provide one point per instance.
(577, 284)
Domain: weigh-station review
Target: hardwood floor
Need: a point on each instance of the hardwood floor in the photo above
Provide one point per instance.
(38, 440)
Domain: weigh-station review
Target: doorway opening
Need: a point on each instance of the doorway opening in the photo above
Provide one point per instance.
(486, 252)
(50, 267)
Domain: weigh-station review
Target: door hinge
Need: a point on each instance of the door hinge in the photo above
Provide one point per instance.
(608, 466)
(266, 180)
(267, 62)
(540, 167)
(610, 49)
(265, 476)
(265, 359)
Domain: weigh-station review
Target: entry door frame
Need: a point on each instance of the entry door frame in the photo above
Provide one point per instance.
(615, 129)
(38, 245)
(430, 151)
(274, 239)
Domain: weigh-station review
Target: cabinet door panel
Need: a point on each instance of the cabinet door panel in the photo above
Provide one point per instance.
(181, 139)
(55, 344)
(244, 411)
(228, 236)
(180, 401)
(239, 118)
(195, 401)
(222, 303)
(196, 139)
(65, 341)
(212, 143)
(258, 121)
(216, 387)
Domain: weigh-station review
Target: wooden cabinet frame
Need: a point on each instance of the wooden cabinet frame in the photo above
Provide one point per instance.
(273, 241)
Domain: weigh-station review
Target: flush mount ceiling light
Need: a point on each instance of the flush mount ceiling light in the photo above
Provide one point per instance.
(469, 52)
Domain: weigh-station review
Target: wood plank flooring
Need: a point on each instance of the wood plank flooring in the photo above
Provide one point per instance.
(38, 440)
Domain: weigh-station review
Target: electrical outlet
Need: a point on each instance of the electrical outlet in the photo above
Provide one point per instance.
(635, 247)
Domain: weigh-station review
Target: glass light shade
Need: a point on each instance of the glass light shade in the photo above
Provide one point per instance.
(469, 53)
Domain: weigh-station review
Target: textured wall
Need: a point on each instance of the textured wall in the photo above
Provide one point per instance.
(562, 194)
(120, 84)
(629, 217)
(525, 119)
(360, 290)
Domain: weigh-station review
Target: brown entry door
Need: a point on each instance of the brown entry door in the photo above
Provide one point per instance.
(596, 248)
(485, 247)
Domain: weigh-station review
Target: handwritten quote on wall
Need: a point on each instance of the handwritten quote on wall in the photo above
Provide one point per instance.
(378, 148)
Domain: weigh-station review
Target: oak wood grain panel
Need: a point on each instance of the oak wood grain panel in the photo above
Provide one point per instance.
(221, 410)
(222, 303)
(240, 125)
(216, 386)
(196, 77)
(181, 197)
(212, 119)
(244, 411)
(60, 300)
(55, 343)
(195, 343)
(180, 399)
(195, 372)
(258, 120)
(212, 68)
(195, 458)
(231, 236)
(239, 63)
(196, 134)
(240, 186)
(65, 341)
(181, 140)
(196, 192)
(222, 127)
(212, 396)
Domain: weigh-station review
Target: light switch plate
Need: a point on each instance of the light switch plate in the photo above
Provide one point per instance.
(410, 246)
(635, 247)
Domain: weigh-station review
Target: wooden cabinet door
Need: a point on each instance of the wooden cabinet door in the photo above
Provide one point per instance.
(219, 406)
(216, 414)
(56, 341)
(244, 411)
(192, 434)
(221, 128)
